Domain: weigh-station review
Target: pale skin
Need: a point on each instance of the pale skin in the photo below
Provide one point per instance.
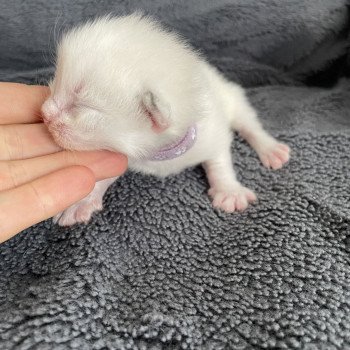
(37, 178)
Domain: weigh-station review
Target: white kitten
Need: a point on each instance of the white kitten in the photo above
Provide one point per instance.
(128, 85)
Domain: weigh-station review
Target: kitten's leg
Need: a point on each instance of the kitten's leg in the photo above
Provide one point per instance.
(272, 153)
(83, 210)
(243, 118)
(225, 190)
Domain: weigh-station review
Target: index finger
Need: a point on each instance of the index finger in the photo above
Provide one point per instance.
(20, 103)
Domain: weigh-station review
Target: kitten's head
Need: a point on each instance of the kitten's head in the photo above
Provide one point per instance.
(115, 88)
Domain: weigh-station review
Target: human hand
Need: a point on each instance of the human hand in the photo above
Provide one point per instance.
(37, 178)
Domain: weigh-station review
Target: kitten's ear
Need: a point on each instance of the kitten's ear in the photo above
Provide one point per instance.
(157, 112)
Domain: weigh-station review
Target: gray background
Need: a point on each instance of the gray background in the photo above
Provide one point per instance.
(159, 268)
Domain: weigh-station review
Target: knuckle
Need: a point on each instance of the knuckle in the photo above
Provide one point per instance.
(70, 157)
(39, 200)
(5, 152)
(7, 176)
(12, 174)
(11, 146)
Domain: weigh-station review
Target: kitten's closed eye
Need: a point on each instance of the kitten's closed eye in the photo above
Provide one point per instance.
(88, 106)
(151, 107)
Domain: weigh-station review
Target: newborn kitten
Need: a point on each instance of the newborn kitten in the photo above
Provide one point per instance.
(128, 85)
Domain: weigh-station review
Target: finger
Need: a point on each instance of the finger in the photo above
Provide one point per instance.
(21, 141)
(21, 103)
(42, 198)
(103, 164)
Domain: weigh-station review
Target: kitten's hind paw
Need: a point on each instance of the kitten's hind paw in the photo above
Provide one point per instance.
(232, 200)
(275, 155)
(80, 212)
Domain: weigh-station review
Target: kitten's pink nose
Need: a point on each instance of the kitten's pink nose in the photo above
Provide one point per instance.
(50, 110)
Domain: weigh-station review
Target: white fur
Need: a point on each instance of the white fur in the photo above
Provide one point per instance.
(126, 84)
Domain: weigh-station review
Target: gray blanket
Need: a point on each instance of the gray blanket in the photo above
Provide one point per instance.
(159, 268)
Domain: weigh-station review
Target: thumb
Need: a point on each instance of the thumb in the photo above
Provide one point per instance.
(42, 198)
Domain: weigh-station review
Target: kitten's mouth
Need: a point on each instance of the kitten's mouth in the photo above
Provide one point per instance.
(62, 135)
(67, 139)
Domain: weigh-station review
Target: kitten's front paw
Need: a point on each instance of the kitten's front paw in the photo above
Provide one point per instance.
(275, 155)
(232, 200)
(80, 212)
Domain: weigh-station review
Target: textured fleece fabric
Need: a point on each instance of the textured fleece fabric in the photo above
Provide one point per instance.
(159, 268)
